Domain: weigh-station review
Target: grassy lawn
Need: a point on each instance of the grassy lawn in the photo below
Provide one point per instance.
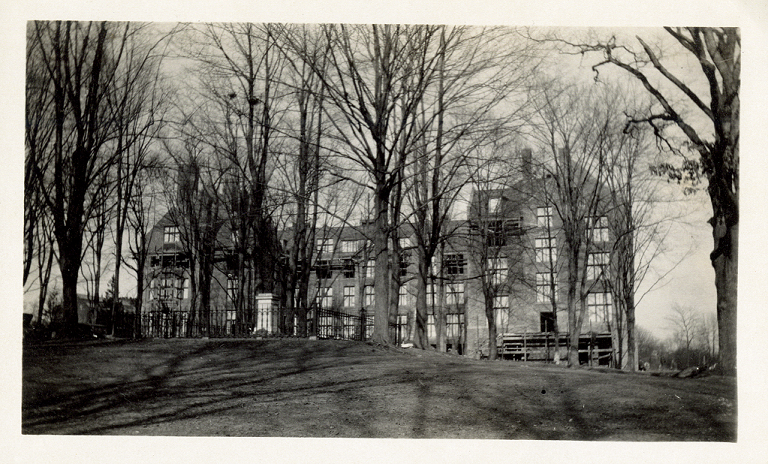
(303, 388)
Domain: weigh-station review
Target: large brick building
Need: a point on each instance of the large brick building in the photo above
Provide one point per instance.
(506, 256)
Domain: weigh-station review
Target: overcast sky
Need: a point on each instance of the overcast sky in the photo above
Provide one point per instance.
(690, 278)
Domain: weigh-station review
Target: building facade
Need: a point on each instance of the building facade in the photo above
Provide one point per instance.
(168, 306)
(520, 265)
(506, 260)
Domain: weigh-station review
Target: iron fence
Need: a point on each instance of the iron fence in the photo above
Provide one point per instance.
(182, 323)
(322, 323)
(338, 325)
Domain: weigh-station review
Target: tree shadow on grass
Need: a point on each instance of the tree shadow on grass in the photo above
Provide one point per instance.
(213, 378)
(260, 388)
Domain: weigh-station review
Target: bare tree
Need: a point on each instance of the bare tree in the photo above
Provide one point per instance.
(636, 223)
(195, 208)
(44, 241)
(140, 217)
(302, 174)
(39, 240)
(239, 70)
(79, 62)
(469, 106)
(716, 141)
(649, 348)
(685, 323)
(374, 81)
(137, 106)
(96, 234)
(37, 157)
(573, 130)
(708, 336)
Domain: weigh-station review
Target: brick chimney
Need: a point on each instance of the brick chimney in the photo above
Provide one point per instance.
(526, 160)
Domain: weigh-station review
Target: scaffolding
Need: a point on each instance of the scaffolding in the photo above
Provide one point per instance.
(595, 349)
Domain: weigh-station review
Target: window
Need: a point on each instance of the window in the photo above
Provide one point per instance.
(513, 226)
(454, 264)
(598, 308)
(369, 296)
(170, 234)
(544, 287)
(430, 294)
(182, 288)
(501, 311)
(493, 205)
(547, 321)
(544, 217)
(232, 285)
(497, 269)
(324, 246)
(402, 328)
(370, 269)
(598, 228)
(369, 321)
(454, 293)
(453, 325)
(597, 265)
(431, 330)
(325, 298)
(402, 296)
(404, 263)
(349, 269)
(502, 319)
(496, 235)
(167, 287)
(349, 297)
(546, 250)
(323, 269)
(349, 246)
(501, 302)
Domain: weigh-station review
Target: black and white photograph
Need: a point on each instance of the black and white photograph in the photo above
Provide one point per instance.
(385, 234)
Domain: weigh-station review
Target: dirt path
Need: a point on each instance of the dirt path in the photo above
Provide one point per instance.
(301, 388)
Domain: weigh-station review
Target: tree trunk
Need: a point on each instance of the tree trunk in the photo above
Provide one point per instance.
(555, 327)
(574, 328)
(301, 308)
(139, 299)
(441, 309)
(69, 291)
(421, 339)
(394, 299)
(726, 273)
(441, 329)
(381, 277)
(493, 353)
(44, 273)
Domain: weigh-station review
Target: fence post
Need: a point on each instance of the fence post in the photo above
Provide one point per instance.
(525, 345)
(315, 317)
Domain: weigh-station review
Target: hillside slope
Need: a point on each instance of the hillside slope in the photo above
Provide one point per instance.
(303, 388)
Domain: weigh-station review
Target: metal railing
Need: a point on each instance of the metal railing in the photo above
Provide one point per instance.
(222, 323)
(218, 323)
(338, 325)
